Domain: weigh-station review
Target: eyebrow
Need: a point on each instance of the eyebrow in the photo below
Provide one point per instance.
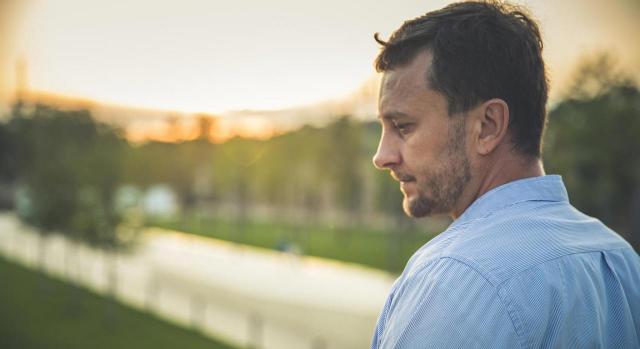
(393, 115)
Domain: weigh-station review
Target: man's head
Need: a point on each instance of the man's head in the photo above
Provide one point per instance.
(462, 87)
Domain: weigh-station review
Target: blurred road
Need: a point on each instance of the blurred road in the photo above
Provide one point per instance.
(244, 295)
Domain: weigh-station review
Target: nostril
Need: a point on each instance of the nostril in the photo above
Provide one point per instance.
(383, 161)
(387, 155)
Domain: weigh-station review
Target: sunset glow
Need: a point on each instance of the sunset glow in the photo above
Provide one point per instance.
(208, 56)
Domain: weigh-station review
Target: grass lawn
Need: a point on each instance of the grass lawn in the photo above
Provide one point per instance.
(37, 312)
(376, 249)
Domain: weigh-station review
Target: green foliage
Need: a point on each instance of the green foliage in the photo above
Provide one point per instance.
(8, 171)
(174, 164)
(69, 166)
(343, 161)
(308, 168)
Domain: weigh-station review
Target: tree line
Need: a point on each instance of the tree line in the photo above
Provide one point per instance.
(67, 167)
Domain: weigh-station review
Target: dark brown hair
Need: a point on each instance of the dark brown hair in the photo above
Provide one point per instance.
(481, 50)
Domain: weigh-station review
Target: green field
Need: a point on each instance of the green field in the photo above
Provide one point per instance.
(377, 249)
(37, 312)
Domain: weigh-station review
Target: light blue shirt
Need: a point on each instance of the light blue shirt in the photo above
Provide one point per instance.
(521, 268)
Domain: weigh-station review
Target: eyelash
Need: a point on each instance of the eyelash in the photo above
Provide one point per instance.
(403, 129)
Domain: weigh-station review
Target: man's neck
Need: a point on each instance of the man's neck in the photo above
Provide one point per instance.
(498, 173)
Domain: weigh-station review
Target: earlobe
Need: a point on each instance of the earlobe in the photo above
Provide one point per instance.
(494, 122)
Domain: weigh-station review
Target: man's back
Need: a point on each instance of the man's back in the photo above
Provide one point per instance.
(520, 268)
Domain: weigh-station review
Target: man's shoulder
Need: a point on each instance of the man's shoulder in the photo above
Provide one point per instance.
(509, 241)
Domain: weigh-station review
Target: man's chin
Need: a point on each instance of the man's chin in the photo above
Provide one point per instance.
(417, 207)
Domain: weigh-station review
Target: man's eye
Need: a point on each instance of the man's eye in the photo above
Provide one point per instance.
(403, 128)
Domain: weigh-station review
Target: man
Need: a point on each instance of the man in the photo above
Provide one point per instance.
(462, 107)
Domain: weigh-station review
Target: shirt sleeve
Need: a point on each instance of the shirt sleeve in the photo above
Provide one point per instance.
(447, 305)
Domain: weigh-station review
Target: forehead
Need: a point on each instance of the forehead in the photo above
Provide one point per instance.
(412, 75)
(405, 89)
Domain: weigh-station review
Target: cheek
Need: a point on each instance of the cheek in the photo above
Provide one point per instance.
(420, 153)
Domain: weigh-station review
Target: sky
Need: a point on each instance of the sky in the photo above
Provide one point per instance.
(214, 56)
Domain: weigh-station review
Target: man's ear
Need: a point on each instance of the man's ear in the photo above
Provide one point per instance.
(492, 123)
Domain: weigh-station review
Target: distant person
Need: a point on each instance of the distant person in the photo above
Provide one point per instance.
(462, 107)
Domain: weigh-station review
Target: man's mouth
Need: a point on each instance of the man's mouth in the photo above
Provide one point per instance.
(406, 185)
(402, 178)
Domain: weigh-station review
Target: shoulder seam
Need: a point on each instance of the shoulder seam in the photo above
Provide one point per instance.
(513, 317)
(556, 258)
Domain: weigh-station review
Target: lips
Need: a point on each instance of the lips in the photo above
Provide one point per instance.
(407, 187)
(402, 177)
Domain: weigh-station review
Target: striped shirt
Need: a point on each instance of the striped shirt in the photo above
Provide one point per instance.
(520, 268)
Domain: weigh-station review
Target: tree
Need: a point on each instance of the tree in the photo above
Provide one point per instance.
(68, 166)
(592, 141)
(343, 158)
(8, 170)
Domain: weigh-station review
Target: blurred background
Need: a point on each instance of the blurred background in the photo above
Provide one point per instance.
(198, 173)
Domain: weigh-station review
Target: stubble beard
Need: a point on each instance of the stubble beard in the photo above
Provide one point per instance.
(443, 187)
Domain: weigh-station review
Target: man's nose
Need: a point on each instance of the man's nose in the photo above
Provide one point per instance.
(387, 155)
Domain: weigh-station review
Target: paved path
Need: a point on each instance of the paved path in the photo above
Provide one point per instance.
(245, 295)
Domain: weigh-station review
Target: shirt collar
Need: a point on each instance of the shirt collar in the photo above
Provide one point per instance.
(541, 188)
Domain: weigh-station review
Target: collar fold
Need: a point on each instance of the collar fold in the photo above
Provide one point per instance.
(541, 188)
